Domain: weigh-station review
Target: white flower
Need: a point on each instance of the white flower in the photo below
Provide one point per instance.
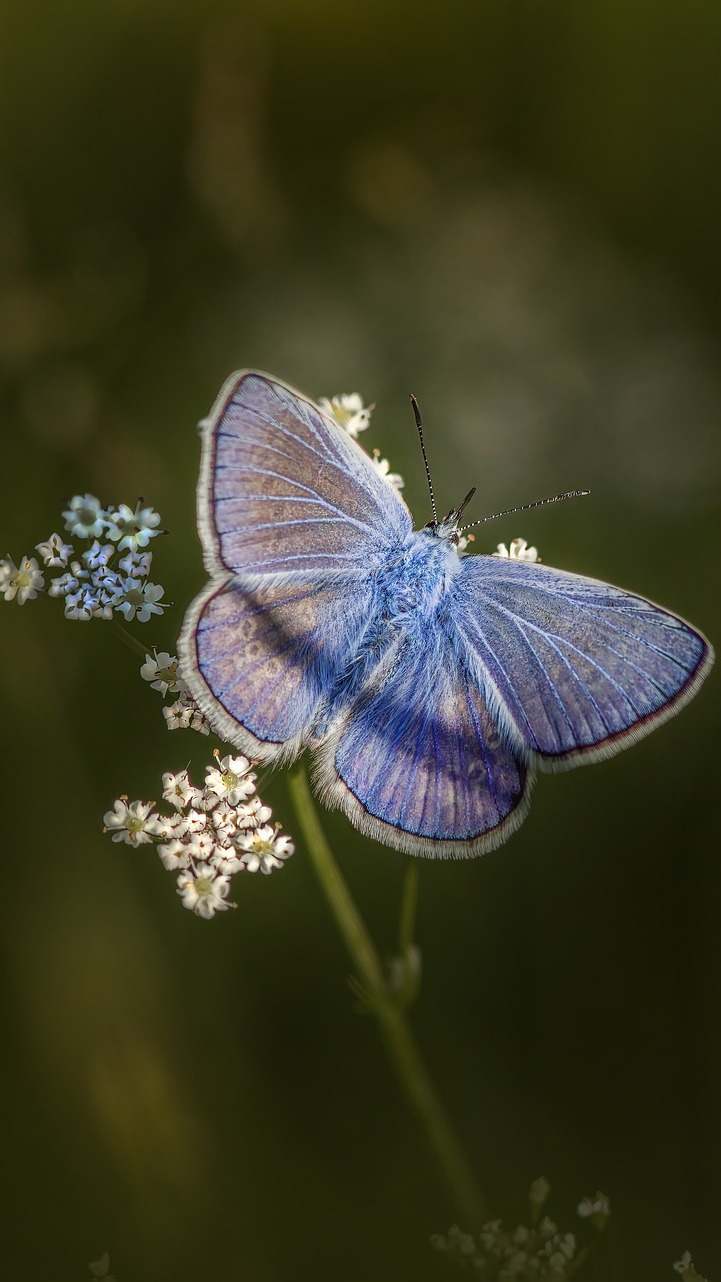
(55, 552)
(132, 823)
(8, 570)
(65, 583)
(223, 818)
(264, 850)
(161, 670)
(80, 605)
(135, 598)
(24, 582)
(201, 846)
(184, 713)
(130, 529)
(252, 814)
(227, 860)
(685, 1266)
(349, 411)
(85, 517)
(197, 721)
(383, 468)
(232, 781)
(179, 791)
(174, 854)
(172, 827)
(204, 890)
(103, 609)
(98, 555)
(196, 821)
(592, 1206)
(136, 564)
(106, 585)
(518, 551)
(178, 715)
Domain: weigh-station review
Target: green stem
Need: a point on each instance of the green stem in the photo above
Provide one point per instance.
(409, 903)
(402, 1048)
(129, 640)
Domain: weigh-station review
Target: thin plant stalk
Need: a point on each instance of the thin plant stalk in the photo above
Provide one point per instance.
(409, 904)
(403, 1051)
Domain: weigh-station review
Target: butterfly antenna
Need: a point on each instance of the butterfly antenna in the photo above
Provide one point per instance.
(526, 507)
(419, 426)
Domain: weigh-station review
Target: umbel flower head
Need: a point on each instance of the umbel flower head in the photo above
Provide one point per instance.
(97, 582)
(536, 1250)
(210, 834)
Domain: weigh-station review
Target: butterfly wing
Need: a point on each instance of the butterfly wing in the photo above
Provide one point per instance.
(293, 519)
(260, 657)
(284, 490)
(418, 761)
(575, 669)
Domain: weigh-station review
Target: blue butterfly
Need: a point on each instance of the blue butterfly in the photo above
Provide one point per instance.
(428, 685)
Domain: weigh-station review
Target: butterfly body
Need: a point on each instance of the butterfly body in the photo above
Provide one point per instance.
(428, 685)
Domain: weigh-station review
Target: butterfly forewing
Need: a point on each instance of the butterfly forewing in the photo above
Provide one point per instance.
(284, 490)
(578, 668)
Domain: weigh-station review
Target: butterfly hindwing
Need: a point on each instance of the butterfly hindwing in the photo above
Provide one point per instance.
(259, 656)
(418, 761)
(577, 668)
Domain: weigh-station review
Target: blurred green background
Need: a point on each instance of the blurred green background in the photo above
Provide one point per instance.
(511, 209)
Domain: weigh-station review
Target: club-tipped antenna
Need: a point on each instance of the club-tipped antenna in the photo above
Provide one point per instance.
(419, 426)
(526, 507)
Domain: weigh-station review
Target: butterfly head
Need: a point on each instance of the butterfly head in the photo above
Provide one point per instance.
(449, 529)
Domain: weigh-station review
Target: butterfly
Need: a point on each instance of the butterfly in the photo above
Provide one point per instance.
(429, 686)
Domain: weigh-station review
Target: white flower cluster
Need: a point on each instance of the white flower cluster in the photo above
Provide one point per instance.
(97, 581)
(518, 551)
(161, 671)
(348, 410)
(537, 1251)
(211, 833)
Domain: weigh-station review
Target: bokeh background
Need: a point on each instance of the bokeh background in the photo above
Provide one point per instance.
(511, 209)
